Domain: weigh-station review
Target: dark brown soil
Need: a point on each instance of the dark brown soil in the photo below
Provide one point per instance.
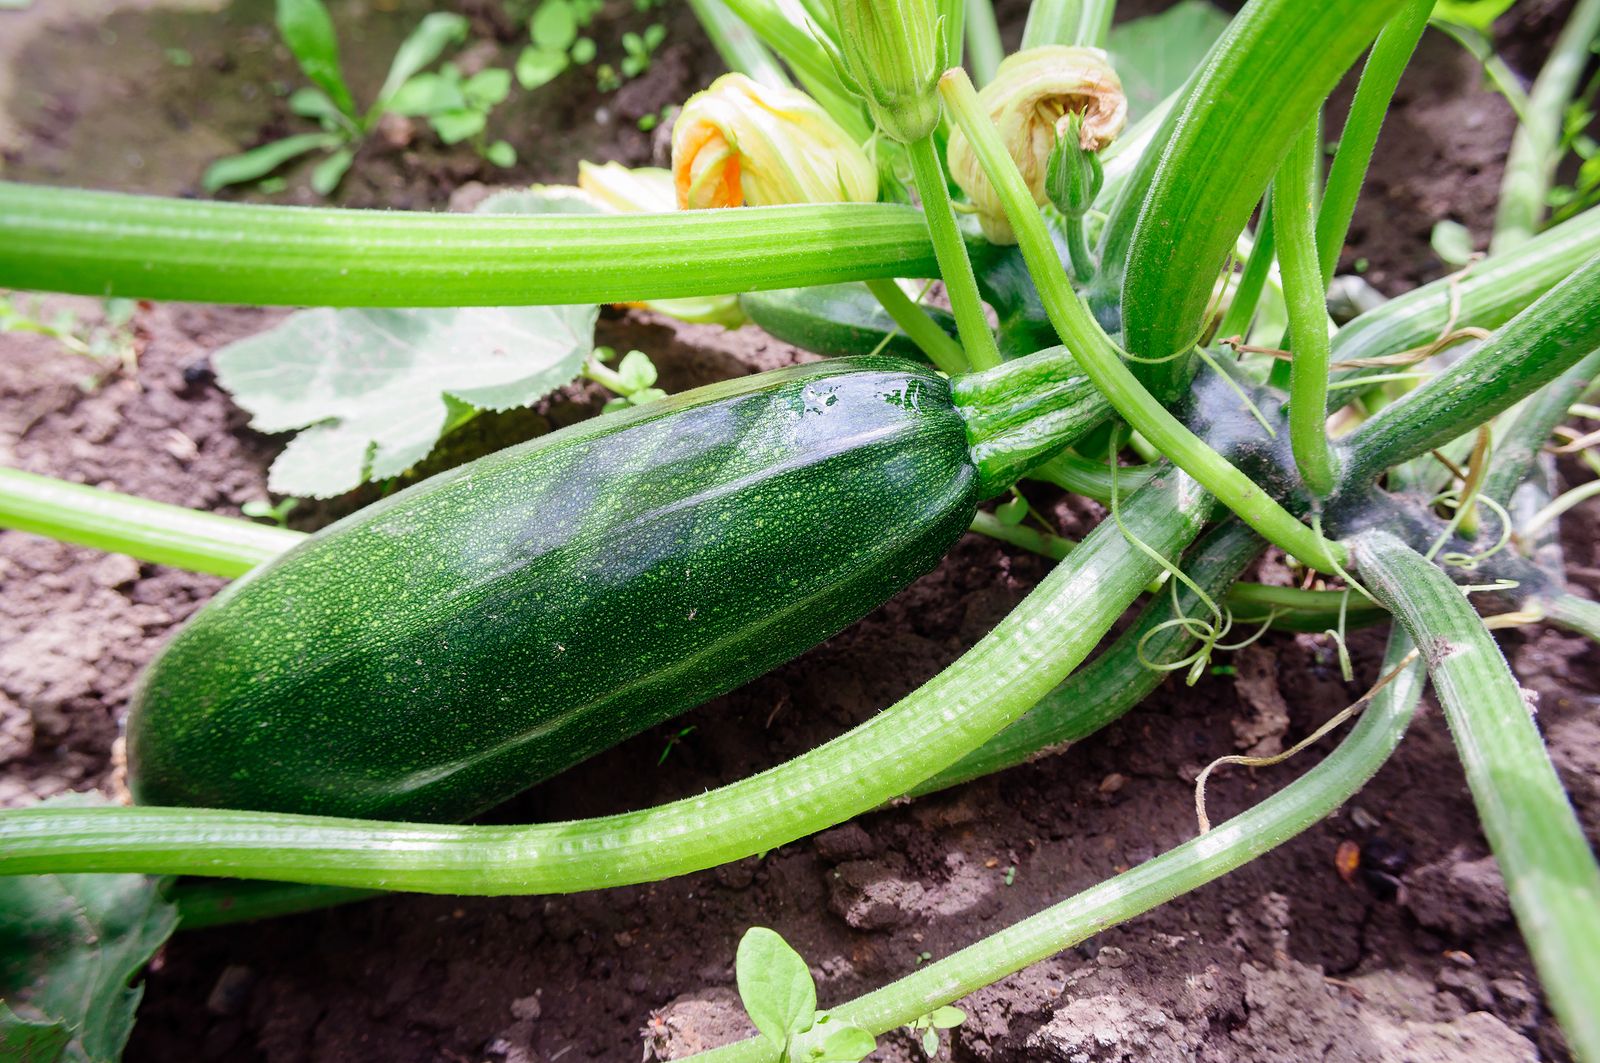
(1414, 958)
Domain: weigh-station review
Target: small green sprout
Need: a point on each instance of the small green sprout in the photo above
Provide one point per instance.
(672, 741)
(633, 379)
(929, 1025)
(261, 509)
(781, 1000)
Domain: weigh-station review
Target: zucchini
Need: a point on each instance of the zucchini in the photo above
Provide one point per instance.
(440, 651)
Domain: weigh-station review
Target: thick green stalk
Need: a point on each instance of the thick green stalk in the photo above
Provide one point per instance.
(1486, 295)
(1301, 804)
(1052, 22)
(1549, 868)
(1379, 78)
(1574, 614)
(942, 350)
(149, 531)
(1536, 146)
(738, 45)
(1517, 446)
(983, 40)
(102, 243)
(1122, 676)
(1305, 293)
(999, 679)
(1100, 358)
(954, 265)
(1223, 152)
(1091, 479)
(1247, 292)
(1534, 348)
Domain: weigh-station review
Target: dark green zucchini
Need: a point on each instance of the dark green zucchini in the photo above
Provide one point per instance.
(440, 651)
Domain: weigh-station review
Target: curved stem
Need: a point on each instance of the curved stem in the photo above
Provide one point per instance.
(1575, 614)
(983, 40)
(1305, 294)
(954, 265)
(1517, 447)
(1000, 678)
(1536, 145)
(1052, 22)
(1549, 869)
(1100, 358)
(1538, 345)
(942, 350)
(105, 243)
(1091, 479)
(738, 46)
(1257, 268)
(1379, 78)
(149, 531)
(1233, 844)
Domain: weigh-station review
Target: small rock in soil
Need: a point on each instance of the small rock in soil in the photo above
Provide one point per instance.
(1458, 895)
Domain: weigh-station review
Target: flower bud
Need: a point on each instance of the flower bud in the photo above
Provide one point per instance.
(740, 143)
(1032, 100)
(892, 55)
(1074, 176)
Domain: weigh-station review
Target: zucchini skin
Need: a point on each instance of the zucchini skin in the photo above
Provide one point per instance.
(442, 650)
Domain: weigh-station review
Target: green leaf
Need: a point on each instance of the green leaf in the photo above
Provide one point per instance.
(537, 67)
(311, 102)
(829, 1041)
(501, 154)
(1475, 14)
(426, 95)
(540, 199)
(947, 1018)
(373, 389)
(487, 88)
(637, 371)
(69, 946)
(258, 162)
(583, 50)
(775, 986)
(554, 27)
(330, 171)
(930, 1043)
(455, 126)
(1452, 243)
(1155, 55)
(426, 43)
(1012, 512)
(308, 31)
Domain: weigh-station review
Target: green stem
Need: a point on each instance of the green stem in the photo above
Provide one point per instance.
(1052, 22)
(1123, 675)
(1305, 294)
(107, 244)
(1020, 535)
(1574, 614)
(1379, 78)
(954, 265)
(1222, 153)
(149, 531)
(1534, 348)
(1257, 268)
(1536, 147)
(1099, 357)
(205, 903)
(1549, 869)
(954, 14)
(983, 40)
(1559, 508)
(995, 682)
(1078, 248)
(942, 349)
(1094, 24)
(1091, 479)
(1023, 411)
(1301, 804)
(1517, 447)
(738, 46)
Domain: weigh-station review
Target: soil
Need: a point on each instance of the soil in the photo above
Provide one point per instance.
(1414, 956)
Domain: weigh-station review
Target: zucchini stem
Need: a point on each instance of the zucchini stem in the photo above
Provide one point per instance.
(1100, 358)
(942, 350)
(1305, 293)
(954, 266)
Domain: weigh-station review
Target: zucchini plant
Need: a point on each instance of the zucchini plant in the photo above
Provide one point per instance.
(1149, 347)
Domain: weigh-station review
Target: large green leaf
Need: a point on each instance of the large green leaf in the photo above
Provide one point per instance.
(69, 947)
(374, 389)
(1155, 55)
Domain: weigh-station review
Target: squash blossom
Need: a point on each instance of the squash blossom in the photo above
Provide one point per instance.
(1032, 100)
(739, 143)
(892, 54)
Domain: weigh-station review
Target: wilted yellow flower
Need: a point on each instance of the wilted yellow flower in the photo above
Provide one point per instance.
(739, 143)
(1030, 100)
